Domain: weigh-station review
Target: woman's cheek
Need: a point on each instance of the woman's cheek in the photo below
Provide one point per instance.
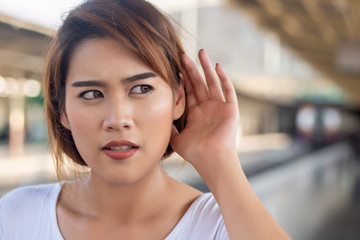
(82, 119)
(162, 110)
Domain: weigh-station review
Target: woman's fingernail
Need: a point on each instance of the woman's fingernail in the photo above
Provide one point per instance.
(218, 66)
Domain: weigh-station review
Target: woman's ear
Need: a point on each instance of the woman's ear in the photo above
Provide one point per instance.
(179, 101)
(64, 119)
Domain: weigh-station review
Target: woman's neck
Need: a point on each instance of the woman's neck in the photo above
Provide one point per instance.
(123, 203)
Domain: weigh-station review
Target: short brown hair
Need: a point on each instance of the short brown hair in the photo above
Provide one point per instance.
(137, 25)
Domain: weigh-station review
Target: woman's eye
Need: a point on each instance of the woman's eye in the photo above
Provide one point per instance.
(90, 95)
(141, 89)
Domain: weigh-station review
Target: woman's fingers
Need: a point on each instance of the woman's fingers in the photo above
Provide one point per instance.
(198, 90)
(229, 90)
(212, 78)
(190, 95)
(199, 87)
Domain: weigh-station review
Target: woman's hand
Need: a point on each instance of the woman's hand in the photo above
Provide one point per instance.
(212, 119)
(208, 143)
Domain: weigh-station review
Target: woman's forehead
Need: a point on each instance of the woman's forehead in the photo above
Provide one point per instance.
(101, 56)
(104, 52)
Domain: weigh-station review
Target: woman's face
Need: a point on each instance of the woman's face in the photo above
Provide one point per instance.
(119, 112)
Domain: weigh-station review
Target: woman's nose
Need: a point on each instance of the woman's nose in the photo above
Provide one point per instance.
(118, 117)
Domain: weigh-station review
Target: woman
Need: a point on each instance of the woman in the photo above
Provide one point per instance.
(120, 96)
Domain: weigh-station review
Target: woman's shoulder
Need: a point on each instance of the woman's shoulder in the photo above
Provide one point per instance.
(203, 220)
(27, 193)
(204, 207)
(30, 213)
(27, 198)
(197, 202)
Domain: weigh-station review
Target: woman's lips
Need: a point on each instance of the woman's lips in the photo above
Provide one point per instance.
(120, 150)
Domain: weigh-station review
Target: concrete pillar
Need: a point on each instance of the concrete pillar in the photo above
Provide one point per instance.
(16, 126)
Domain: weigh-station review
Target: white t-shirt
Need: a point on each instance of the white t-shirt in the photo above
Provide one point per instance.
(30, 213)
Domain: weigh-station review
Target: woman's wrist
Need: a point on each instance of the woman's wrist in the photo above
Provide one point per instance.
(219, 169)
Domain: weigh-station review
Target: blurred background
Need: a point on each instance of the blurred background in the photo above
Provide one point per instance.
(296, 68)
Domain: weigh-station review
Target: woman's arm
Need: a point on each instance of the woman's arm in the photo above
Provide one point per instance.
(208, 142)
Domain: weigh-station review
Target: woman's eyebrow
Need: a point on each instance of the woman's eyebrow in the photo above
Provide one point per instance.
(94, 83)
(89, 83)
(140, 76)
